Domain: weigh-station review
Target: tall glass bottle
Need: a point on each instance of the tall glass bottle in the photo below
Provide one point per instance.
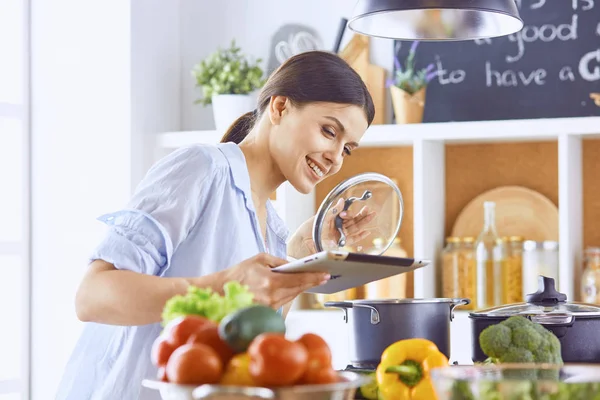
(488, 255)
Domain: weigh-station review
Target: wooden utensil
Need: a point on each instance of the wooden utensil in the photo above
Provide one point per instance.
(356, 53)
(519, 212)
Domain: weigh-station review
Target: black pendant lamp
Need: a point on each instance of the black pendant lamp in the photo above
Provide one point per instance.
(435, 20)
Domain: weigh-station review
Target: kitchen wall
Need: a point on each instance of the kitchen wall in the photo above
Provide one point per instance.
(103, 75)
(206, 25)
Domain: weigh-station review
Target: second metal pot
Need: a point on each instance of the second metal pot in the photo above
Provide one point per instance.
(376, 324)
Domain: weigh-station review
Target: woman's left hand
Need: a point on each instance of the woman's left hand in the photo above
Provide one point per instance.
(301, 243)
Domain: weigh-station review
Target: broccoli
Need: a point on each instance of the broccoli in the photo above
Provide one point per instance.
(519, 340)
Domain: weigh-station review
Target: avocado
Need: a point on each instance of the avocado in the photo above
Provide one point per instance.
(239, 328)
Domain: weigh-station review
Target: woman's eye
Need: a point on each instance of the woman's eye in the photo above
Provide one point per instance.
(347, 151)
(328, 132)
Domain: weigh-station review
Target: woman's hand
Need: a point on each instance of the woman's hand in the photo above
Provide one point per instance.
(272, 288)
(301, 243)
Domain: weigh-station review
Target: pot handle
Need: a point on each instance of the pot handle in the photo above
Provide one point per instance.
(375, 318)
(208, 391)
(344, 305)
(457, 303)
(554, 321)
(558, 323)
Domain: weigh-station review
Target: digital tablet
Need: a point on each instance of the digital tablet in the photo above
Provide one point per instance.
(350, 270)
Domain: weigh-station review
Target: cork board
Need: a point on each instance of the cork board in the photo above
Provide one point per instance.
(472, 169)
(591, 192)
(396, 163)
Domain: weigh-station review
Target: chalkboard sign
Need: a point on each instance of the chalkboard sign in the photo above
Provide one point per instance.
(547, 70)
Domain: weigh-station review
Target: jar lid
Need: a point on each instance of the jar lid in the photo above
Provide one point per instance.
(371, 196)
(545, 302)
(531, 245)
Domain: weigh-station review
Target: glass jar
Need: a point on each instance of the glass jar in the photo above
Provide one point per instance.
(393, 287)
(539, 258)
(512, 274)
(590, 279)
(450, 268)
(458, 269)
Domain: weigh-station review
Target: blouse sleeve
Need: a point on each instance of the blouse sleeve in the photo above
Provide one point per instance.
(161, 213)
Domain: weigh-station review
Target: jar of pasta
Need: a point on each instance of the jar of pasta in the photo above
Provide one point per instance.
(393, 287)
(512, 274)
(468, 271)
(458, 270)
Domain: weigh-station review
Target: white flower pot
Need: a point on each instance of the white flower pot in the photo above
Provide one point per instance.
(229, 107)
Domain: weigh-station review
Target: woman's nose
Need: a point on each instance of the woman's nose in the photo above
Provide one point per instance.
(334, 156)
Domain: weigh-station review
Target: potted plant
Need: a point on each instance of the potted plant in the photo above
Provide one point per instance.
(228, 79)
(408, 88)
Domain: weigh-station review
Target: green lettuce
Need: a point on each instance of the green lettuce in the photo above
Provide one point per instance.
(207, 303)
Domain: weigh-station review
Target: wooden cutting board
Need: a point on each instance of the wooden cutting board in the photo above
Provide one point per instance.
(357, 54)
(519, 212)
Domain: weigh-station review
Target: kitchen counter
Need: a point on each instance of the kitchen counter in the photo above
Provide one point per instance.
(331, 326)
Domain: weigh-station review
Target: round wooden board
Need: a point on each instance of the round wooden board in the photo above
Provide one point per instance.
(519, 212)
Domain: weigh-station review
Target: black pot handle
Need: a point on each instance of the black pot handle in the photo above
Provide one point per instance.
(557, 323)
(344, 305)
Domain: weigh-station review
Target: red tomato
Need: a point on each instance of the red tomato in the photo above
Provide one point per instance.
(276, 361)
(161, 351)
(209, 335)
(180, 329)
(319, 359)
(323, 376)
(194, 364)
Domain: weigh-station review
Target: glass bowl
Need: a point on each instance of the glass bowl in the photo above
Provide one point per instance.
(518, 382)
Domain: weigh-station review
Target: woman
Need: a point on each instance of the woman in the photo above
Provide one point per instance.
(202, 217)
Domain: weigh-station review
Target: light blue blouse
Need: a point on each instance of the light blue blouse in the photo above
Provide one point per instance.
(192, 215)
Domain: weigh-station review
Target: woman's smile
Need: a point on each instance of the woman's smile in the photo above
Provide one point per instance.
(316, 171)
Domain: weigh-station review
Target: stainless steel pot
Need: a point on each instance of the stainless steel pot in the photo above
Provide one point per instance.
(376, 324)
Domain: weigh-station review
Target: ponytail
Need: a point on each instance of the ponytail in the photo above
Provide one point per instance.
(240, 128)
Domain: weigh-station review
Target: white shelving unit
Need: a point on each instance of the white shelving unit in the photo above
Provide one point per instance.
(428, 142)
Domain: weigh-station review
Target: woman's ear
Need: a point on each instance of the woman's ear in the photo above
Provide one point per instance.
(277, 106)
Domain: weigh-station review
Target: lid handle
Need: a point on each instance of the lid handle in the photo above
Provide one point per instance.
(339, 221)
(546, 293)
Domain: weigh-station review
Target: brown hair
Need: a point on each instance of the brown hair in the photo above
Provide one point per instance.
(313, 76)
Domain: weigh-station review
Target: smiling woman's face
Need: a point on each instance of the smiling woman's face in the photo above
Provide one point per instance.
(310, 143)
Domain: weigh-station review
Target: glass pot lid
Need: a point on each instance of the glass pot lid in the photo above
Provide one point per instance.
(373, 208)
(546, 301)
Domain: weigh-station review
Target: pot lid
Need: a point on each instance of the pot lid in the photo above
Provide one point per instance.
(376, 204)
(546, 301)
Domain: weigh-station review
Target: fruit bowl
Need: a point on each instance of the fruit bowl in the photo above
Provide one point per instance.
(518, 381)
(345, 389)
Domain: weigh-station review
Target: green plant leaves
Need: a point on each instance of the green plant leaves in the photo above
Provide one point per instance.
(227, 71)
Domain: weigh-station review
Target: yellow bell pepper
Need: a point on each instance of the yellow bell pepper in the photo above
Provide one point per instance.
(403, 373)
(237, 372)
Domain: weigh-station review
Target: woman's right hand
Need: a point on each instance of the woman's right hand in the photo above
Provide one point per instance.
(271, 288)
